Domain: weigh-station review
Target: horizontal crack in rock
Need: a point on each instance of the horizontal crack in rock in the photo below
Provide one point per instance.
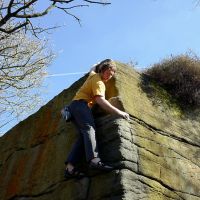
(152, 128)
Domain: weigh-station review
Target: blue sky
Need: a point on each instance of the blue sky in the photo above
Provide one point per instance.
(142, 31)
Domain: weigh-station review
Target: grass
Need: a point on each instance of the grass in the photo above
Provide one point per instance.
(180, 77)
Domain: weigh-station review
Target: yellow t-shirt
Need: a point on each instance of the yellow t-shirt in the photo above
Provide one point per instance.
(92, 87)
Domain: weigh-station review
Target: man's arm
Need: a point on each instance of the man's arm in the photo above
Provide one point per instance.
(103, 103)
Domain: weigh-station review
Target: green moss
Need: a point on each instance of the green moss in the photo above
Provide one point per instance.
(161, 98)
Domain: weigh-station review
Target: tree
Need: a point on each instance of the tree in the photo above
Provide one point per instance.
(20, 13)
(23, 63)
(24, 57)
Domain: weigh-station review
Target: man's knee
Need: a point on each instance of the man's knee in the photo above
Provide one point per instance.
(88, 129)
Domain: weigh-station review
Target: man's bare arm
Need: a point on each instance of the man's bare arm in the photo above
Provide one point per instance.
(103, 103)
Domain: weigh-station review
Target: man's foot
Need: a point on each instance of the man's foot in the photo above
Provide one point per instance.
(74, 173)
(100, 166)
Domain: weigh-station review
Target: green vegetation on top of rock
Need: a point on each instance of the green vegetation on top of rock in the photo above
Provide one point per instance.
(180, 76)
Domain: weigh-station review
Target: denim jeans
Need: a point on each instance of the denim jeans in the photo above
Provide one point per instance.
(86, 141)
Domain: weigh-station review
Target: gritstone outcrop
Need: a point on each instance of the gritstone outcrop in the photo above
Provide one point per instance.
(157, 152)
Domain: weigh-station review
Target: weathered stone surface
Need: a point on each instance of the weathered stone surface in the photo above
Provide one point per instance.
(156, 153)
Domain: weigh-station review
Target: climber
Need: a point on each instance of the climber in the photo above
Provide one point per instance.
(92, 91)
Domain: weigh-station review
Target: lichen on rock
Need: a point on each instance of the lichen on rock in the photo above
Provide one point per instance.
(156, 152)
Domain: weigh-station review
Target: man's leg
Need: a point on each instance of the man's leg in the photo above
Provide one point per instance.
(85, 123)
(76, 153)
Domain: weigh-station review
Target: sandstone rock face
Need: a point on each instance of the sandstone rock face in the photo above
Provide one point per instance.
(156, 153)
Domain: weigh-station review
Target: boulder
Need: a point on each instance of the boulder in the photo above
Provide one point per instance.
(156, 153)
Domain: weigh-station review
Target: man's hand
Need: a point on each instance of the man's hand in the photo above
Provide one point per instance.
(102, 102)
(124, 115)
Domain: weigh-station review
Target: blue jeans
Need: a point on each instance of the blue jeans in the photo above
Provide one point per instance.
(84, 122)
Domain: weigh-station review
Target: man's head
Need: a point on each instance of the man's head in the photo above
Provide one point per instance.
(107, 69)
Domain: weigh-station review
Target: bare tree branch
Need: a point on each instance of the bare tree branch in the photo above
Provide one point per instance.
(23, 57)
(97, 2)
(35, 15)
(10, 6)
(62, 1)
(65, 10)
(14, 29)
(22, 11)
(23, 63)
